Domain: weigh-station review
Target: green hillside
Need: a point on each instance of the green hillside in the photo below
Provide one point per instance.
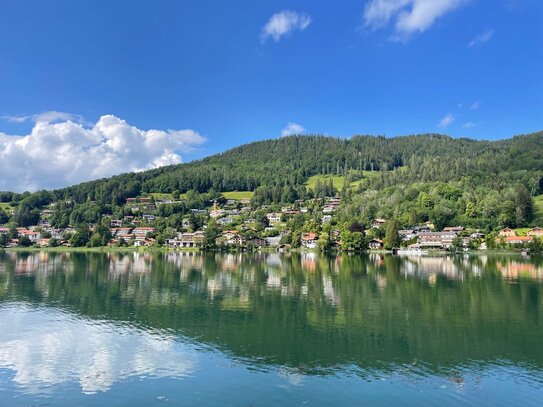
(483, 184)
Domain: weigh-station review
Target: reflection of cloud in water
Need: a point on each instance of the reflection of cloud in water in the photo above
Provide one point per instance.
(49, 348)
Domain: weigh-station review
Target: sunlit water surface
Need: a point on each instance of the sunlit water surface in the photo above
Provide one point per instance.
(266, 329)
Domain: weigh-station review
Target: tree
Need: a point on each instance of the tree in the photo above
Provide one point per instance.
(24, 241)
(81, 236)
(392, 238)
(211, 234)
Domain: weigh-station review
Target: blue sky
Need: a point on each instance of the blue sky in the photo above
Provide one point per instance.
(232, 72)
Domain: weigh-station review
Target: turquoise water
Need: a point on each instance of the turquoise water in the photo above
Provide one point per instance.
(266, 329)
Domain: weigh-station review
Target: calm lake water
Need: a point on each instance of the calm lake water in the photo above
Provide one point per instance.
(186, 329)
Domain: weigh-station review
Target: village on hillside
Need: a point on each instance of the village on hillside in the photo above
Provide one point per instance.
(235, 224)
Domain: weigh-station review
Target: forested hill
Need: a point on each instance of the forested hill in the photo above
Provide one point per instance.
(291, 160)
(387, 176)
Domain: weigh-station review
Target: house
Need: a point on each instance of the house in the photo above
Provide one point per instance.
(309, 240)
(230, 238)
(376, 244)
(195, 239)
(535, 232)
(115, 223)
(245, 201)
(436, 240)
(329, 209)
(142, 232)
(144, 242)
(477, 235)
(377, 223)
(407, 234)
(456, 229)
(257, 242)
(514, 240)
(217, 213)
(148, 217)
(326, 218)
(507, 232)
(274, 217)
(225, 221)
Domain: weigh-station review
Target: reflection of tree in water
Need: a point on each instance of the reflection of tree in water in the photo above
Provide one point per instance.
(304, 310)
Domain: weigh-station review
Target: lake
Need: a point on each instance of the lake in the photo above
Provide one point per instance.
(185, 329)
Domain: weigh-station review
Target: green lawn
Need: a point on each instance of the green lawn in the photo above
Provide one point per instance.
(5, 206)
(538, 210)
(522, 231)
(337, 180)
(238, 194)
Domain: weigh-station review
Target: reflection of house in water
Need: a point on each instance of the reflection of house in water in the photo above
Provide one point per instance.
(133, 262)
(309, 261)
(513, 269)
(420, 266)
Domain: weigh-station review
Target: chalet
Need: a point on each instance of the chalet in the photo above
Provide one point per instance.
(309, 240)
(245, 201)
(436, 240)
(199, 211)
(303, 209)
(148, 218)
(376, 244)
(377, 223)
(46, 213)
(128, 219)
(326, 218)
(250, 221)
(329, 209)
(514, 240)
(477, 235)
(535, 232)
(274, 217)
(507, 232)
(4, 231)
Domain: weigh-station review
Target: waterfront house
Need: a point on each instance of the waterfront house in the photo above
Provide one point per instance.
(517, 240)
(309, 240)
(436, 240)
(376, 244)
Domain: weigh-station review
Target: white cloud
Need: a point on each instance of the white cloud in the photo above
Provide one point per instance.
(475, 105)
(410, 16)
(283, 23)
(46, 117)
(64, 153)
(470, 125)
(292, 129)
(481, 38)
(446, 121)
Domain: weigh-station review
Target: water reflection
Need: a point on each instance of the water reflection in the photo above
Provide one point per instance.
(305, 314)
(50, 348)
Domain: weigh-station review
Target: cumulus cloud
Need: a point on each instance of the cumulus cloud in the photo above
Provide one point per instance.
(446, 121)
(291, 129)
(409, 16)
(57, 154)
(283, 23)
(481, 38)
